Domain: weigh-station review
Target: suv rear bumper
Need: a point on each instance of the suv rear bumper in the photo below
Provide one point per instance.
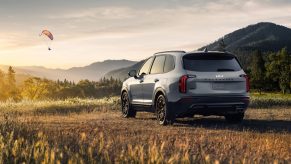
(209, 105)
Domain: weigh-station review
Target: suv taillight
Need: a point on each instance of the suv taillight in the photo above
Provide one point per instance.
(247, 83)
(183, 84)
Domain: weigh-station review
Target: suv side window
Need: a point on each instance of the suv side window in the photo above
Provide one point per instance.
(158, 65)
(146, 66)
(169, 63)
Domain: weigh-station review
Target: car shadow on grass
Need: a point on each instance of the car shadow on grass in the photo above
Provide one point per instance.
(247, 124)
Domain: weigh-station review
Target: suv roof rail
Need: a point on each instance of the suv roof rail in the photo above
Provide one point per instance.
(170, 51)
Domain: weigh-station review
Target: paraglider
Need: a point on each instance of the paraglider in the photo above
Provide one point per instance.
(48, 38)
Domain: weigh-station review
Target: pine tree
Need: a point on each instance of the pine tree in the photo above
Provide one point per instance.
(284, 78)
(221, 45)
(11, 83)
(11, 76)
(258, 71)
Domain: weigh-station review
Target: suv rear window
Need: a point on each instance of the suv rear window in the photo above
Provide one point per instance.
(211, 62)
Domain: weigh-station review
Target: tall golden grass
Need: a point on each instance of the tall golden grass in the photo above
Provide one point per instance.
(91, 131)
(19, 143)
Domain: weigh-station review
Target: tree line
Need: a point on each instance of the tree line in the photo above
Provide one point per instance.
(268, 71)
(35, 88)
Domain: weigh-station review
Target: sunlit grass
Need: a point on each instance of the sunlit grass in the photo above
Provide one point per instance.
(77, 105)
(274, 95)
(59, 106)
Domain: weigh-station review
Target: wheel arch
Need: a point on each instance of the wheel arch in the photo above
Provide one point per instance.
(158, 91)
(125, 89)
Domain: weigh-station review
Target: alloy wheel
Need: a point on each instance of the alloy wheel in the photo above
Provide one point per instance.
(124, 104)
(161, 109)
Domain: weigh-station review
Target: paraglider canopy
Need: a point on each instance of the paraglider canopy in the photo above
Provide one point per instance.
(48, 34)
(48, 37)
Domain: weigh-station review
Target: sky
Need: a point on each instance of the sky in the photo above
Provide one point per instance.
(88, 31)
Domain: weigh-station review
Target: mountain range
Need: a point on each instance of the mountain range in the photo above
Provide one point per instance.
(264, 36)
(94, 71)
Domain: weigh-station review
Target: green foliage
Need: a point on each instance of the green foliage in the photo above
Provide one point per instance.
(278, 69)
(269, 71)
(36, 88)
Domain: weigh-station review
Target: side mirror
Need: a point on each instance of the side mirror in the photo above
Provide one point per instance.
(142, 75)
(132, 73)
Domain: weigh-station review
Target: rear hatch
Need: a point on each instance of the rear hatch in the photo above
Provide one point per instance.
(214, 73)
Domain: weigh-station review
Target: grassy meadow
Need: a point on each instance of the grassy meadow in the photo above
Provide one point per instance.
(92, 131)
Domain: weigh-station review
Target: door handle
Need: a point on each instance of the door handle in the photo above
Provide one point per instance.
(156, 80)
(140, 81)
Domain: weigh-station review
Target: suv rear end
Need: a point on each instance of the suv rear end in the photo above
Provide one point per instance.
(212, 83)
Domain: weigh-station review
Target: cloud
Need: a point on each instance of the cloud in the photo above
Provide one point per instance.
(98, 13)
(211, 18)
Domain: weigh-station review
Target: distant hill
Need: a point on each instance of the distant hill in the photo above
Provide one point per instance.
(94, 71)
(264, 36)
(123, 72)
(97, 70)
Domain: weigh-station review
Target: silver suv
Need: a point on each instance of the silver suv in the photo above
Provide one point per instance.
(181, 84)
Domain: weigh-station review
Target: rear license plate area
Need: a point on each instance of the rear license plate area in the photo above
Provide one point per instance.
(218, 86)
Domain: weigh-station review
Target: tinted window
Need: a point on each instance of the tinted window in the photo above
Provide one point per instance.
(169, 64)
(211, 63)
(146, 67)
(158, 65)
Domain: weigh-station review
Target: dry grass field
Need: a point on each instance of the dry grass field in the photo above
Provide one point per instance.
(92, 131)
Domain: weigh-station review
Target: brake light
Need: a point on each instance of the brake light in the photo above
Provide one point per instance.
(183, 84)
(247, 83)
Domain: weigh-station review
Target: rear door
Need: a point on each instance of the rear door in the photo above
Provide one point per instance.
(215, 73)
(152, 78)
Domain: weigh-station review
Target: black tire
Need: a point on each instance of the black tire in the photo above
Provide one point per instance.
(234, 118)
(126, 109)
(164, 115)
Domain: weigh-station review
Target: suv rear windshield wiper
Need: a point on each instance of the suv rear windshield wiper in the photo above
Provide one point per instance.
(224, 70)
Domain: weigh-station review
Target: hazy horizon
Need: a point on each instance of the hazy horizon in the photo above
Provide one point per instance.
(91, 31)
